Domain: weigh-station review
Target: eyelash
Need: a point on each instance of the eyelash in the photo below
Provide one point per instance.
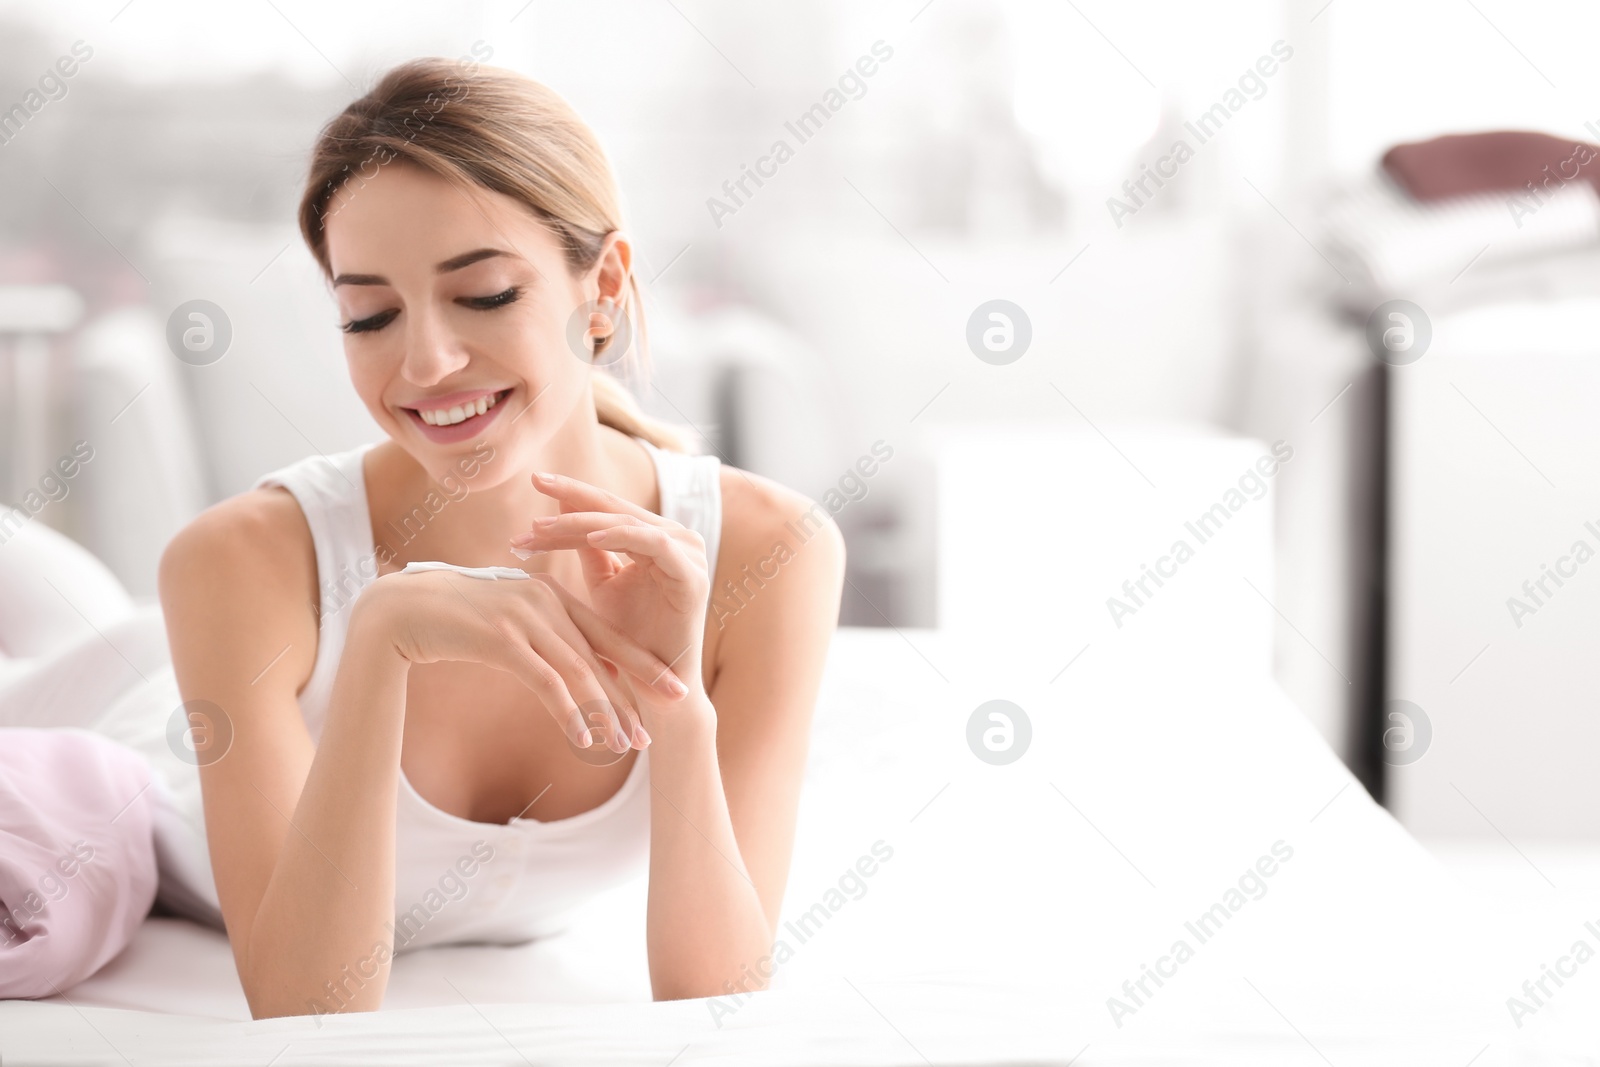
(481, 303)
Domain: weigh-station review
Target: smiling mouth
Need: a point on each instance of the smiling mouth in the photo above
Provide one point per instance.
(460, 413)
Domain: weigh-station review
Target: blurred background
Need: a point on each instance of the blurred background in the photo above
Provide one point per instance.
(992, 245)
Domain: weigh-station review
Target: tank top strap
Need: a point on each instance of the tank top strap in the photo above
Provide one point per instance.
(691, 494)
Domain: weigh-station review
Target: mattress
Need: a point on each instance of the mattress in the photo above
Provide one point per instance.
(1029, 912)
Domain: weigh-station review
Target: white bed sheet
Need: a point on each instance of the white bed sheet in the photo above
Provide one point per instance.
(1018, 899)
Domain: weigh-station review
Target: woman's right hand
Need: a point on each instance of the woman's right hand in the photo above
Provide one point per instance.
(537, 630)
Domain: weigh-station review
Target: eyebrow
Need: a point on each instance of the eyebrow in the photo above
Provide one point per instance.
(466, 259)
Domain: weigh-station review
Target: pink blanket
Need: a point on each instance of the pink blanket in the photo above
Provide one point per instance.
(77, 859)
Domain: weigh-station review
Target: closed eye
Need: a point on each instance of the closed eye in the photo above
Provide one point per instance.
(497, 300)
(383, 318)
(372, 322)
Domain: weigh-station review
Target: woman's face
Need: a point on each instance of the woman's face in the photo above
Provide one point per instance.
(452, 301)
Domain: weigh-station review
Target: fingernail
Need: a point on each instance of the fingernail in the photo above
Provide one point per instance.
(542, 476)
(544, 520)
(586, 740)
(676, 687)
(643, 733)
(598, 535)
(523, 553)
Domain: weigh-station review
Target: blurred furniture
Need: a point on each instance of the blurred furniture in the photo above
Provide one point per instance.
(148, 475)
(1495, 607)
(1460, 470)
(773, 411)
(1388, 246)
(1139, 327)
(32, 317)
(1314, 379)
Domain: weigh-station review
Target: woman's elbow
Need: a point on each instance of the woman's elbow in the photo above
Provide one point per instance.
(689, 987)
(349, 991)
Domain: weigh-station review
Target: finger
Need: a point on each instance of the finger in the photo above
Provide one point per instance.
(623, 721)
(556, 674)
(547, 684)
(598, 565)
(550, 532)
(623, 533)
(590, 497)
(513, 654)
(585, 683)
(571, 524)
(571, 530)
(612, 643)
(560, 645)
(635, 728)
(648, 542)
(628, 655)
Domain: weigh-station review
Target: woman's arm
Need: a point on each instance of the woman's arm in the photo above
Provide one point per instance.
(320, 941)
(301, 837)
(727, 780)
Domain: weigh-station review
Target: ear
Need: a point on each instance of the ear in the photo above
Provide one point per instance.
(613, 267)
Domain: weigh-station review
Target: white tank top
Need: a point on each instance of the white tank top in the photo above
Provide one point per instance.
(458, 880)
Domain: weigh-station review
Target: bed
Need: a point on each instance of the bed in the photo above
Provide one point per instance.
(1027, 912)
(1017, 900)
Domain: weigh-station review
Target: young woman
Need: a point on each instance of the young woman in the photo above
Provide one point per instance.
(530, 740)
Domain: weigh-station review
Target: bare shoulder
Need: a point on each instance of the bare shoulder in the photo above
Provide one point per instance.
(241, 575)
(254, 529)
(779, 573)
(762, 519)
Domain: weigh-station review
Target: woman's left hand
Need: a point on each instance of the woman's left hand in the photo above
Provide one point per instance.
(647, 575)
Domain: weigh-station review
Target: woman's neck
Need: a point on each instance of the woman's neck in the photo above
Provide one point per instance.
(457, 518)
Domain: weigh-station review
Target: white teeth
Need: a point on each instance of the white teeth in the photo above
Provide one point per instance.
(459, 412)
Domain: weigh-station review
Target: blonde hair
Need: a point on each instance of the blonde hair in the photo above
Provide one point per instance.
(498, 130)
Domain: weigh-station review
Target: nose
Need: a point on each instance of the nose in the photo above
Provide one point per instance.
(432, 353)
